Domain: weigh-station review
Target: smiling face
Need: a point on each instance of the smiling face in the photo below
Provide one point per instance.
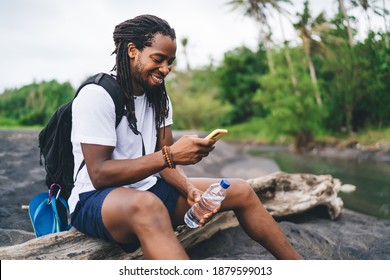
(150, 66)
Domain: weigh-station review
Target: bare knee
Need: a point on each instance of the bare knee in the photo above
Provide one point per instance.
(241, 189)
(148, 211)
(240, 193)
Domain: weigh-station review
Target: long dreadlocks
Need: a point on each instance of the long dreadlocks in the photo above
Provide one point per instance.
(140, 31)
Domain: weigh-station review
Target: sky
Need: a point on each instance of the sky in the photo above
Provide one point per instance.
(68, 40)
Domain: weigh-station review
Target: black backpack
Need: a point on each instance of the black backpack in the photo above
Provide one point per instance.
(54, 140)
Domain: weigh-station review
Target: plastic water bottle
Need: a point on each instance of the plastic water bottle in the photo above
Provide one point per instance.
(210, 200)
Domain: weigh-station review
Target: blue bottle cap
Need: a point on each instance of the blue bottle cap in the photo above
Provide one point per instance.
(225, 184)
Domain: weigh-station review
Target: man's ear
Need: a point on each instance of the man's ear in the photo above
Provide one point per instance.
(131, 50)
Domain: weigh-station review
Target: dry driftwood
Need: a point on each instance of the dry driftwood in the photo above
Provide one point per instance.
(282, 194)
(285, 194)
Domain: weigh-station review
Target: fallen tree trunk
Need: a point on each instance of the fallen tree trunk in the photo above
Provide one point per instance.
(282, 194)
(285, 194)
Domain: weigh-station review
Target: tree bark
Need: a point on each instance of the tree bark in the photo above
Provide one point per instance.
(293, 77)
(346, 18)
(313, 76)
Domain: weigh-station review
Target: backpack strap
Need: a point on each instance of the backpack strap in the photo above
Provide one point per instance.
(110, 84)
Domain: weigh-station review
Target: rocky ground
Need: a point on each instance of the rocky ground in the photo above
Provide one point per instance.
(353, 236)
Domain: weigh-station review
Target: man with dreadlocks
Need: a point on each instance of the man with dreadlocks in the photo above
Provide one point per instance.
(117, 196)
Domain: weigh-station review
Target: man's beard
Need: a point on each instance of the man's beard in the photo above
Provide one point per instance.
(148, 89)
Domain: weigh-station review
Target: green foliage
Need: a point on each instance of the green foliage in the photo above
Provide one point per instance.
(256, 130)
(7, 122)
(33, 104)
(373, 64)
(238, 82)
(193, 95)
(369, 136)
(291, 112)
(357, 85)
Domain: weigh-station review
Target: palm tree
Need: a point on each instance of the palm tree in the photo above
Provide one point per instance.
(385, 12)
(308, 28)
(184, 43)
(368, 5)
(346, 18)
(293, 77)
(259, 10)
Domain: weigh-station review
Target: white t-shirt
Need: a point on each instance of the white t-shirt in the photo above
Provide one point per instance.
(93, 122)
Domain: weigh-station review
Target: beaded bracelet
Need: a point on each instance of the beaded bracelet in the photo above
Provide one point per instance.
(168, 149)
(171, 157)
(167, 154)
(165, 158)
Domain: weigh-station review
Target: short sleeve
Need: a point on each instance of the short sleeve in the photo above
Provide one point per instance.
(93, 117)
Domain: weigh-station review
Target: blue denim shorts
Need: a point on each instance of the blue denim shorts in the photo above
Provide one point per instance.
(87, 216)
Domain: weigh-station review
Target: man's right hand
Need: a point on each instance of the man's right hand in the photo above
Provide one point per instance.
(191, 149)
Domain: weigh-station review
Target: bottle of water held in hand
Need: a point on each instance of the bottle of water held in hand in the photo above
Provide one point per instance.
(210, 200)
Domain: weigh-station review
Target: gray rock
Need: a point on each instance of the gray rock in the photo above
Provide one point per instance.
(352, 237)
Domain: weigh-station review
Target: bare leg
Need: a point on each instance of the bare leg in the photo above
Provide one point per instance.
(128, 212)
(252, 216)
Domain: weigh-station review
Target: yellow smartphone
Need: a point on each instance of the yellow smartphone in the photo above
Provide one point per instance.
(217, 134)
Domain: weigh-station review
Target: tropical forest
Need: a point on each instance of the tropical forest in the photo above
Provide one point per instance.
(329, 87)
